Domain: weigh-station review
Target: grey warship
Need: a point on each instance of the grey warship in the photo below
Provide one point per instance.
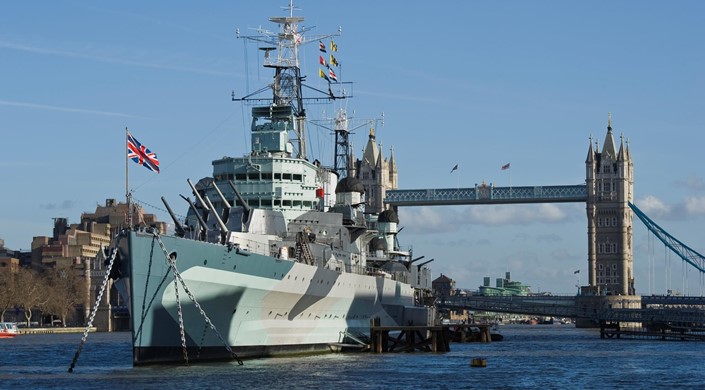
(277, 254)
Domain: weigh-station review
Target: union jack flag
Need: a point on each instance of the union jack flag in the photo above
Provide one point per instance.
(141, 155)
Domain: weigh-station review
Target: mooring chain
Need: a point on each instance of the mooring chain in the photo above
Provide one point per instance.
(144, 315)
(177, 275)
(181, 316)
(203, 338)
(95, 307)
(146, 288)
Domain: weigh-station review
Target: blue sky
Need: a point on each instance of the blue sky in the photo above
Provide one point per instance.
(474, 83)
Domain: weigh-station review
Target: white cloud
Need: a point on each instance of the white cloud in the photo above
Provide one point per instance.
(653, 206)
(692, 182)
(514, 215)
(695, 205)
(106, 58)
(64, 109)
(440, 220)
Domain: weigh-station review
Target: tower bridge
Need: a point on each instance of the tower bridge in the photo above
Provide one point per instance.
(608, 195)
(607, 192)
(484, 194)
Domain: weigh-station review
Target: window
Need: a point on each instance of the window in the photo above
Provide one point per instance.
(277, 176)
(297, 177)
(266, 176)
(287, 176)
(599, 221)
(253, 176)
(240, 176)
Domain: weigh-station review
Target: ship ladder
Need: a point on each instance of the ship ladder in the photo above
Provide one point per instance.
(177, 276)
(303, 252)
(89, 325)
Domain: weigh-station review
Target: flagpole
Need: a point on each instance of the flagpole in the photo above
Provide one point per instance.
(127, 176)
(510, 181)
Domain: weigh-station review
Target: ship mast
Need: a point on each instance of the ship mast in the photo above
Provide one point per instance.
(288, 81)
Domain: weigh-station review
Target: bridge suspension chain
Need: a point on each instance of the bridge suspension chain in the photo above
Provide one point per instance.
(683, 251)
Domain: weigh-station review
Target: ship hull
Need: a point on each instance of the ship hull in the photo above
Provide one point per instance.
(260, 305)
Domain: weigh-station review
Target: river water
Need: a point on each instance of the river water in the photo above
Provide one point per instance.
(539, 356)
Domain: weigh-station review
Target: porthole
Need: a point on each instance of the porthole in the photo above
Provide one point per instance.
(205, 262)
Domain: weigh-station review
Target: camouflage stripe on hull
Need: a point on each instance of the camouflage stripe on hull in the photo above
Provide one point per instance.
(261, 305)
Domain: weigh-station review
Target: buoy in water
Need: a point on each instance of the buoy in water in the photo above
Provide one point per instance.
(478, 362)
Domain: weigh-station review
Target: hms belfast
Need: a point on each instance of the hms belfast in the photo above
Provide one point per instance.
(277, 254)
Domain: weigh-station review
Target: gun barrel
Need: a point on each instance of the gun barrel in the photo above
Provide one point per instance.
(424, 263)
(198, 216)
(239, 197)
(178, 227)
(223, 229)
(222, 197)
(197, 195)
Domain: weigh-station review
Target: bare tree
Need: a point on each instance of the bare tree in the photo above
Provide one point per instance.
(31, 291)
(7, 292)
(67, 289)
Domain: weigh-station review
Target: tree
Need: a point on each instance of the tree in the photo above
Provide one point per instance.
(7, 292)
(31, 291)
(67, 289)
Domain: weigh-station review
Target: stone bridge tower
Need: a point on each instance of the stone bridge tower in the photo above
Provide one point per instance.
(610, 186)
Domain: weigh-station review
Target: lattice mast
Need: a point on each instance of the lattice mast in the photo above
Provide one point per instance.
(288, 81)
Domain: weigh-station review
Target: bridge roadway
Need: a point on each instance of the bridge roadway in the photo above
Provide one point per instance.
(663, 309)
(487, 194)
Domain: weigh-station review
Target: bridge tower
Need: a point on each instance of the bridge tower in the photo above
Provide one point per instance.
(377, 174)
(610, 187)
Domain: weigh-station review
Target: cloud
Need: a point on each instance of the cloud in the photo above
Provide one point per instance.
(106, 59)
(655, 208)
(64, 109)
(438, 220)
(694, 205)
(514, 215)
(65, 205)
(692, 183)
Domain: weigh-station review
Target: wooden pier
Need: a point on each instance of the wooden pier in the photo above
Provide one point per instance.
(424, 338)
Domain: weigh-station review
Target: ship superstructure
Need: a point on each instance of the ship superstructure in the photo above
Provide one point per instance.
(277, 252)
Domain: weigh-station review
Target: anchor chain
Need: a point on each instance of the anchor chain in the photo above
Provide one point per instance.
(95, 307)
(178, 305)
(177, 275)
